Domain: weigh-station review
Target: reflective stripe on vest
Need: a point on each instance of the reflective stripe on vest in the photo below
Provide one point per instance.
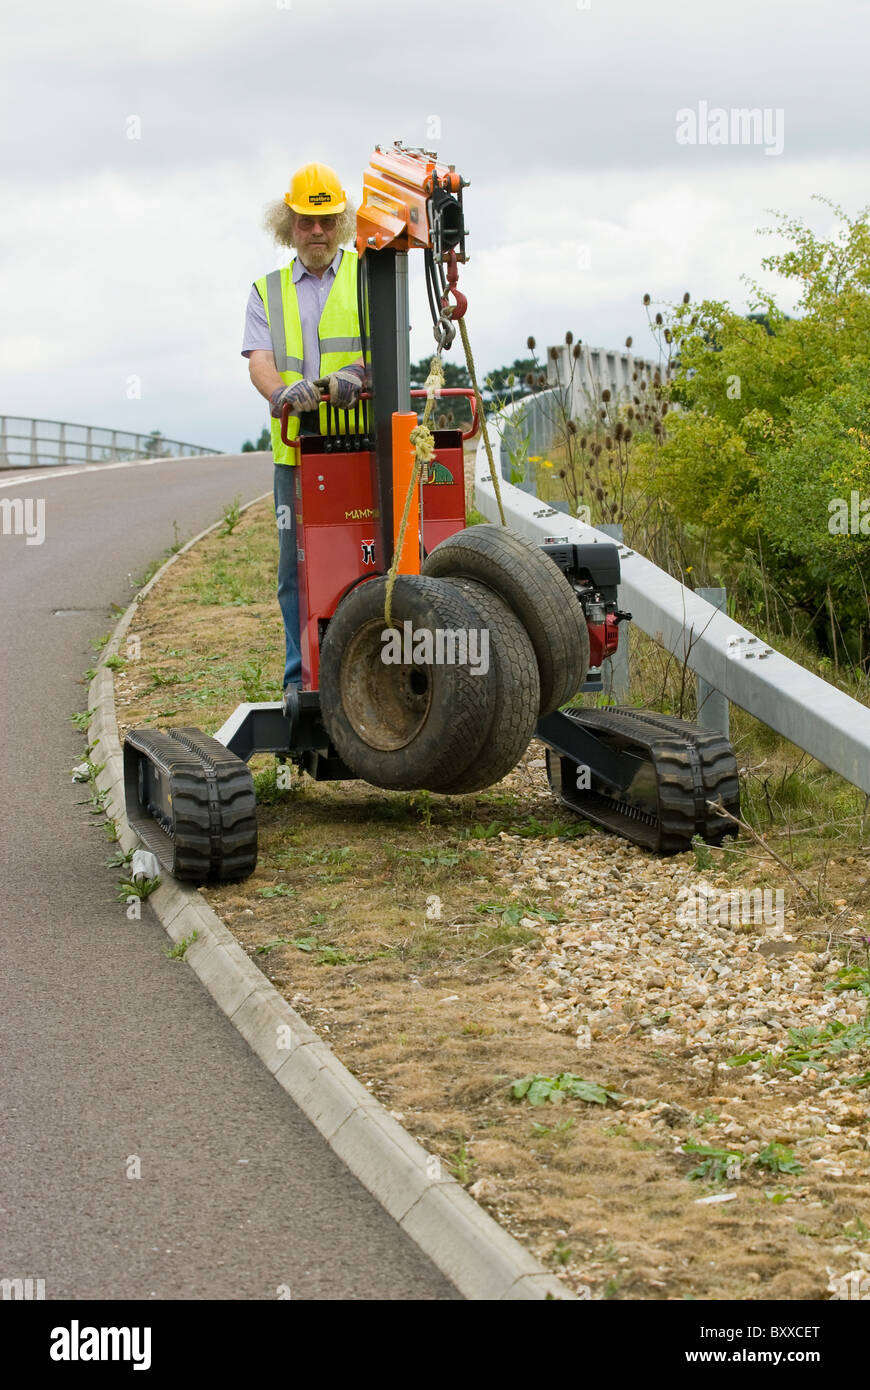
(338, 334)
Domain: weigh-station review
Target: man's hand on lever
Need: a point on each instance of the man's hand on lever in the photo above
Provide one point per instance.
(346, 386)
(302, 395)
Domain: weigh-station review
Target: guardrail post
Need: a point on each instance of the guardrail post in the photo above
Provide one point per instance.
(713, 712)
(614, 669)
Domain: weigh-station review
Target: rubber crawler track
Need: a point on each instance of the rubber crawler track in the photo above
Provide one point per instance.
(211, 831)
(692, 767)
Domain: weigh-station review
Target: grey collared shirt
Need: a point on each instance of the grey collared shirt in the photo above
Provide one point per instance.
(311, 293)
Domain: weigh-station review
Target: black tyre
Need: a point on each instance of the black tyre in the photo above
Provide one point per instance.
(517, 693)
(402, 723)
(534, 587)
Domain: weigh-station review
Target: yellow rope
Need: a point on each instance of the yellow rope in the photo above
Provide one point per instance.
(493, 472)
(424, 443)
(424, 448)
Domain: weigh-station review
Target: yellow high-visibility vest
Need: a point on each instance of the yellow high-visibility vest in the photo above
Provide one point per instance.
(338, 332)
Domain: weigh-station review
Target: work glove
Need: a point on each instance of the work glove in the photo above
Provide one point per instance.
(346, 386)
(302, 395)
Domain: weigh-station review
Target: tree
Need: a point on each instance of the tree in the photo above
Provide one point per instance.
(154, 446)
(772, 437)
(264, 442)
(453, 374)
(502, 380)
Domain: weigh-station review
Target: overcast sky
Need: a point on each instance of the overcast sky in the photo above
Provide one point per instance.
(126, 258)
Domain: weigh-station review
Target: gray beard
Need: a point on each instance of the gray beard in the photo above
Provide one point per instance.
(317, 257)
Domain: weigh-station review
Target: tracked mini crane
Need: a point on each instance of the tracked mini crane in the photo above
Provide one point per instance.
(553, 609)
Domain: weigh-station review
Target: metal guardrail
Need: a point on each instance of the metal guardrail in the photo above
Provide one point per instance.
(28, 443)
(805, 709)
(594, 370)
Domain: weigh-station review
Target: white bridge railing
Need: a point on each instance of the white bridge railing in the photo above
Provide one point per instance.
(805, 709)
(26, 443)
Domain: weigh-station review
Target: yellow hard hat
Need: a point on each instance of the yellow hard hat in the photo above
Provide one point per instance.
(316, 188)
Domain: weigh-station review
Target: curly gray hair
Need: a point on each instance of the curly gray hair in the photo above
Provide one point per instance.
(278, 222)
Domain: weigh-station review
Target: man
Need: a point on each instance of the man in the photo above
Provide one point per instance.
(301, 324)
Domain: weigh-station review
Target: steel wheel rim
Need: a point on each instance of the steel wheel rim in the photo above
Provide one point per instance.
(386, 704)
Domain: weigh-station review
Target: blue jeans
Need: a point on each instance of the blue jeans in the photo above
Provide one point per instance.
(288, 586)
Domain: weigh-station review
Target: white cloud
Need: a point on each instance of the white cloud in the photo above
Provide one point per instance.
(663, 235)
(122, 257)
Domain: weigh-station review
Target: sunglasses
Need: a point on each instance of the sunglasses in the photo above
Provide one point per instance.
(306, 224)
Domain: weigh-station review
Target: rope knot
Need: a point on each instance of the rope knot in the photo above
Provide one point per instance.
(423, 441)
(435, 380)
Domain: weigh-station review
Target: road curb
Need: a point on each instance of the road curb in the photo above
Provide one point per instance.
(479, 1257)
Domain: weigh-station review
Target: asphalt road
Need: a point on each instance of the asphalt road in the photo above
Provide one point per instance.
(110, 1050)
